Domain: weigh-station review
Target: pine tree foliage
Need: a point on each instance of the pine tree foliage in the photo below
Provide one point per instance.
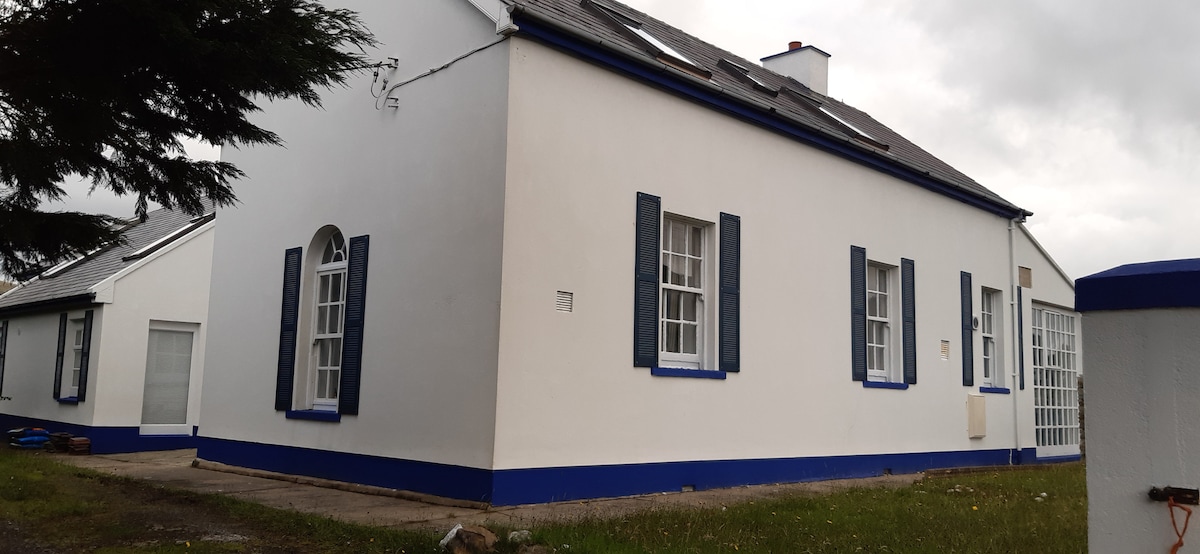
(106, 89)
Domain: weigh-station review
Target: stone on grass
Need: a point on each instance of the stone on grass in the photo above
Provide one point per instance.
(472, 539)
(521, 536)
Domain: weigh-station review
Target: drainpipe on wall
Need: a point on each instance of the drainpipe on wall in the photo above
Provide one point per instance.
(1013, 383)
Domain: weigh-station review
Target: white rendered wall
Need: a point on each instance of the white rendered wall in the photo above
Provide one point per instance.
(426, 182)
(29, 367)
(173, 286)
(1051, 290)
(582, 142)
(1142, 390)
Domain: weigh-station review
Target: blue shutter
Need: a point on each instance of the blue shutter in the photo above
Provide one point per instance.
(968, 331)
(3, 351)
(352, 330)
(289, 313)
(909, 319)
(645, 283)
(1021, 337)
(858, 312)
(58, 361)
(84, 355)
(729, 324)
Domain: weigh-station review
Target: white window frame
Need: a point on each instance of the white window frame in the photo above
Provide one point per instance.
(1055, 382)
(702, 292)
(71, 383)
(334, 268)
(881, 343)
(991, 327)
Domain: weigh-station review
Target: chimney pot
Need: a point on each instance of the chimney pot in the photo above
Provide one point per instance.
(795, 44)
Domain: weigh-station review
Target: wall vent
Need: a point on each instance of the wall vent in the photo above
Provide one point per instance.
(1025, 276)
(564, 301)
(945, 350)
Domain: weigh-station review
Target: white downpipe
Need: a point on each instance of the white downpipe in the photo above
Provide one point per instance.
(1013, 383)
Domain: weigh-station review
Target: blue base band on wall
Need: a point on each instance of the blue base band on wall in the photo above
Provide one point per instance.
(537, 485)
(448, 481)
(105, 440)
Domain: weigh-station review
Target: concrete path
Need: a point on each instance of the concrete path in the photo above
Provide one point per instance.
(175, 469)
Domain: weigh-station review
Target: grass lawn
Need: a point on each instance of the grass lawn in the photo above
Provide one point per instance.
(49, 507)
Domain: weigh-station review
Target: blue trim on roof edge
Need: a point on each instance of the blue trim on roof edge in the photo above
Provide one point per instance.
(509, 487)
(106, 440)
(532, 28)
(1162, 284)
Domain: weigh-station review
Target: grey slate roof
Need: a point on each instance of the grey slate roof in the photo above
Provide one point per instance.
(76, 279)
(575, 15)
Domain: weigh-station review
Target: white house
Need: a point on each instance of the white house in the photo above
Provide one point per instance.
(591, 255)
(110, 346)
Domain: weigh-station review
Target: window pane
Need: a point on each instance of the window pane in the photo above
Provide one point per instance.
(883, 306)
(335, 354)
(883, 281)
(334, 380)
(335, 318)
(327, 256)
(79, 337)
(336, 294)
(323, 353)
(688, 303)
(679, 237)
(322, 317)
(694, 273)
(678, 268)
(323, 295)
(689, 339)
(694, 244)
(672, 337)
(671, 304)
(322, 381)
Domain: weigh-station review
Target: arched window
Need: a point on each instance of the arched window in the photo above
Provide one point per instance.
(328, 329)
(321, 328)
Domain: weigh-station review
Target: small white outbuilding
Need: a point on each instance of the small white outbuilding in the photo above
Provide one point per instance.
(1143, 399)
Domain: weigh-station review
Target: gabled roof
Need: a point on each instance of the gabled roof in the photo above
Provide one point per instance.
(777, 97)
(71, 281)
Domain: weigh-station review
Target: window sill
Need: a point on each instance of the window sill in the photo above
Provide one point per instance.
(72, 400)
(314, 415)
(884, 385)
(682, 372)
(995, 390)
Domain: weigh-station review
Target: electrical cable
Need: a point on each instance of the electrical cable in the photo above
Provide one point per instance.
(385, 92)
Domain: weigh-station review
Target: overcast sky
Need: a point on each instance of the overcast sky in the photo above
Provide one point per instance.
(1083, 112)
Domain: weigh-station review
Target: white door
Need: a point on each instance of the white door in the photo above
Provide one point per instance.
(168, 374)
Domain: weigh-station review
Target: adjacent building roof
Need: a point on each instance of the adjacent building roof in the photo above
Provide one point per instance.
(71, 281)
(1164, 284)
(777, 96)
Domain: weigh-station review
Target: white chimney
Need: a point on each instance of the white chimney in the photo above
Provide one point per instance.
(807, 64)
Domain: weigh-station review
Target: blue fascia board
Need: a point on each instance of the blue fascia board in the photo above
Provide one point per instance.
(684, 372)
(763, 118)
(884, 385)
(106, 440)
(1165, 284)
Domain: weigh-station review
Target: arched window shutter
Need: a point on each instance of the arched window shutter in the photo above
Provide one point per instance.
(289, 314)
(356, 300)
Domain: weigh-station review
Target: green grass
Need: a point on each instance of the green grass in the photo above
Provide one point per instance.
(988, 512)
(77, 510)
